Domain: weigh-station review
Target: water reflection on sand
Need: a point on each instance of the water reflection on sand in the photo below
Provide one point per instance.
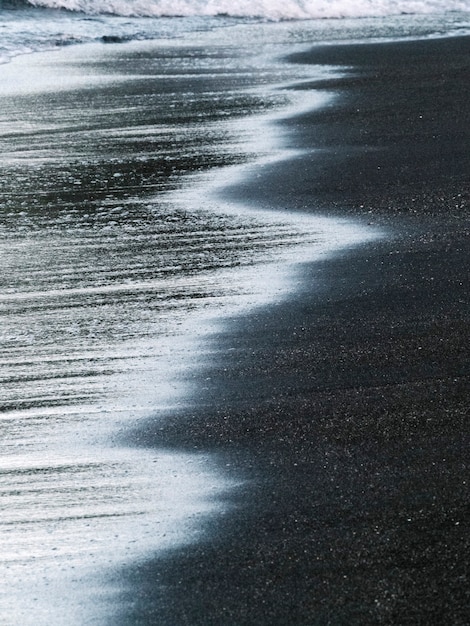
(116, 262)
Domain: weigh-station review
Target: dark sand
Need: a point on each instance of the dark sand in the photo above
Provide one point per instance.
(346, 408)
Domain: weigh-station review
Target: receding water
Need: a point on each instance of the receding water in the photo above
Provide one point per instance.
(118, 259)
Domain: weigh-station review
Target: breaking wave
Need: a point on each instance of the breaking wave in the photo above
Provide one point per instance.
(268, 9)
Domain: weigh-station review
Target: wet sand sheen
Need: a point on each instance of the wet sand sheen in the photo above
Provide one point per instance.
(115, 269)
(347, 405)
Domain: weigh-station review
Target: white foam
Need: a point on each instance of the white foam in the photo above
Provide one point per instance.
(269, 9)
(79, 521)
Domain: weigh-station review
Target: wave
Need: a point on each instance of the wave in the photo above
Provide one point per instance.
(268, 9)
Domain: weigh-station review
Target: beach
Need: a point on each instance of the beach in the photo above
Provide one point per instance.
(346, 407)
(119, 263)
(235, 341)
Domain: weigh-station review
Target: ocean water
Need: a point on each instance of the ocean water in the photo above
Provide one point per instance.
(32, 25)
(120, 257)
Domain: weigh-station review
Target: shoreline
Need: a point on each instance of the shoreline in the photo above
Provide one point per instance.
(346, 406)
(339, 414)
(100, 259)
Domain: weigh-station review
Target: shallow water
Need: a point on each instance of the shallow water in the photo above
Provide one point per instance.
(119, 258)
(25, 29)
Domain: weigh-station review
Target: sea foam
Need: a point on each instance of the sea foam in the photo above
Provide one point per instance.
(269, 9)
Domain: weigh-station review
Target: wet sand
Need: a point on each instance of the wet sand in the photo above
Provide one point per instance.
(345, 410)
(117, 261)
